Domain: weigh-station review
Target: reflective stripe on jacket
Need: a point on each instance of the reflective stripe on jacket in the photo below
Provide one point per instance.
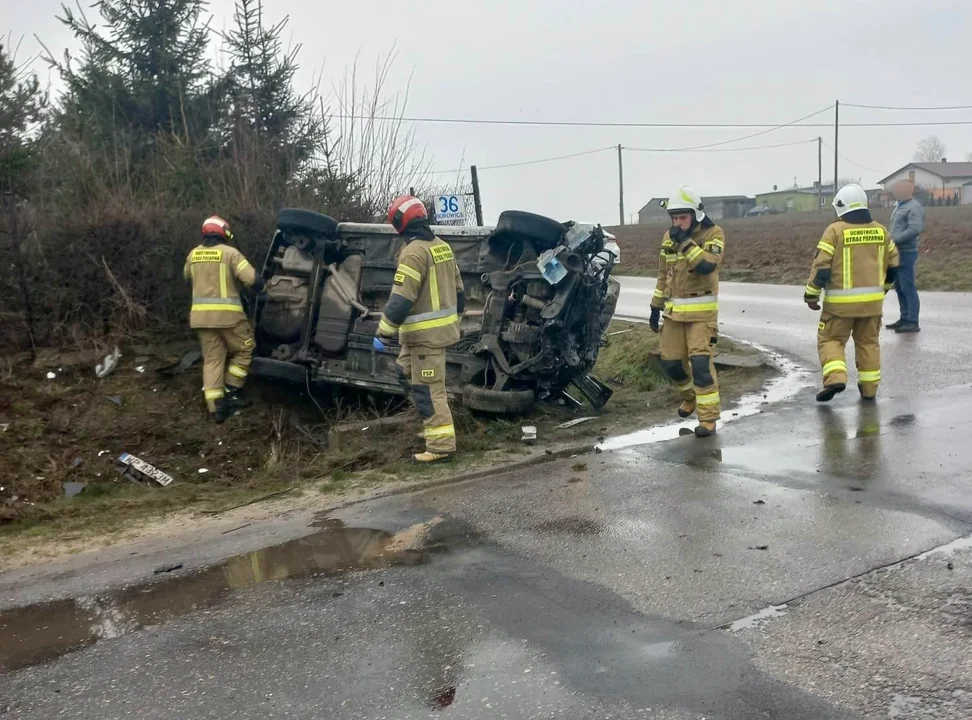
(428, 276)
(850, 269)
(688, 282)
(216, 272)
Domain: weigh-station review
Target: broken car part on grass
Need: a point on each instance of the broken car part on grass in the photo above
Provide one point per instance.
(539, 298)
(139, 471)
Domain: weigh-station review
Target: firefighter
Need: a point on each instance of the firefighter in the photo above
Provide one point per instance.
(687, 293)
(216, 270)
(854, 267)
(424, 307)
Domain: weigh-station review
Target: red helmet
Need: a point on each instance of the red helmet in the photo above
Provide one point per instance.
(405, 210)
(215, 225)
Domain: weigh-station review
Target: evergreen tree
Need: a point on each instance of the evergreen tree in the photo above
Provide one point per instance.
(267, 116)
(22, 105)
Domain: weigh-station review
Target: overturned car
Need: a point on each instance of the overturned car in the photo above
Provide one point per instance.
(539, 297)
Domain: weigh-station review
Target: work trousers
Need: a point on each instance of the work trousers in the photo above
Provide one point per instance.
(235, 343)
(687, 349)
(423, 373)
(906, 288)
(832, 336)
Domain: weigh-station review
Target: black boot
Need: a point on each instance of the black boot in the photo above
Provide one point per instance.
(236, 399)
(827, 394)
(895, 325)
(222, 411)
(907, 327)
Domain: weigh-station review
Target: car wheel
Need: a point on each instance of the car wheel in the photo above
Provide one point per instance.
(544, 232)
(301, 222)
(498, 402)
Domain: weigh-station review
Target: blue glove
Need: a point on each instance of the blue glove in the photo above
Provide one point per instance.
(378, 345)
(653, 319)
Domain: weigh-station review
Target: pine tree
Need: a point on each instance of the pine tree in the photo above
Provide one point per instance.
(22, 105)
(267, 115)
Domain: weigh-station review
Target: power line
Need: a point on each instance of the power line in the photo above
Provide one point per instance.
(708, 150)
(926, 108)
(687, 126)
(761, 132)
(856, 164)
(526, 162)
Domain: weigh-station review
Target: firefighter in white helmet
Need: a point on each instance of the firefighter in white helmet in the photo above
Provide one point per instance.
(687, 293)
(216, 270)
(855, 265)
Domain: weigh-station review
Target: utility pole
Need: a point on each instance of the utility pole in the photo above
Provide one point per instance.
(819, 174)
(620, 185)
(836, 134)
(477, 197)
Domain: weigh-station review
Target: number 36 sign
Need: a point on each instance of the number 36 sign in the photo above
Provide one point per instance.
(450, 208)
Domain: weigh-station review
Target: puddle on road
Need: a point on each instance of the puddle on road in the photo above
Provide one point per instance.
(757, 620)
(44, 631)
(962, 543)
(792, 379)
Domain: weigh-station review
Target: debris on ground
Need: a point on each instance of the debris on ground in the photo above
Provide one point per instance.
(189, 359)
(137, 470)
(572, 423)
(529, 434)
(759, 547)
(168, 568)
(107, 366)
(759, 502)
(619, 332)
(117, 399)
(142, 359)
(203, 471)
(51, 375)
(268, 496)
(73, 488)
(578, 467)
(139, 368)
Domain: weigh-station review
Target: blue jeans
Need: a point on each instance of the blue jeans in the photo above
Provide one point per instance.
(906, 288)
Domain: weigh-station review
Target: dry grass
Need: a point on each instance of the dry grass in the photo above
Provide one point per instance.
(69, 429)
(779, 248)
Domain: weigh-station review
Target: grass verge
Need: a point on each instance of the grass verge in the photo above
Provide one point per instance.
(71, 429)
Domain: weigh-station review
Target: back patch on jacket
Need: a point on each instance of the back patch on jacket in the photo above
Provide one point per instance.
(200, 255)
(864, 236)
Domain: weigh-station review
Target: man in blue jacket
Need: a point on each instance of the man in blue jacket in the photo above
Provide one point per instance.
(907, 223)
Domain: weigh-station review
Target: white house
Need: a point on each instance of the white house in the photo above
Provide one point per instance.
(938, 179)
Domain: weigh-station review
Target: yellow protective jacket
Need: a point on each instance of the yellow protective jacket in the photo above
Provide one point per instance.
(851, 269)
(688, 281)
(216, 272)
(423, 307)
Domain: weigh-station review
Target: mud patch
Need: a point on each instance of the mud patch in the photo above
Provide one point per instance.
(45, 631)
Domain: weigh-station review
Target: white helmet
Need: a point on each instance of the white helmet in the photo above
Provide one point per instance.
(850, 198)
(685, 198)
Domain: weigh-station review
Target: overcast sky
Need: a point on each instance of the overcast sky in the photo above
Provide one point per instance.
(705, 61)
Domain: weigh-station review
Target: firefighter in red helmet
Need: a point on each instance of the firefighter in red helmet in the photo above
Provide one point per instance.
(216, 270)
(423, 309)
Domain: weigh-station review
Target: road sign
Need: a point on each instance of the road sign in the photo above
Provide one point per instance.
(450, 208)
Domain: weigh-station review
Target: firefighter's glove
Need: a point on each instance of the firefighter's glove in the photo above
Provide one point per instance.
(812, 303)
(259, 285)
(653, 319)
(378, 345)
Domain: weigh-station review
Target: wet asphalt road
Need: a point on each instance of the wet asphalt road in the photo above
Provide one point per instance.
(613, 585)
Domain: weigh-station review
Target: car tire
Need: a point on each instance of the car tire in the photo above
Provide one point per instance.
(544, 232)
(498, 402)
(305, 222)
